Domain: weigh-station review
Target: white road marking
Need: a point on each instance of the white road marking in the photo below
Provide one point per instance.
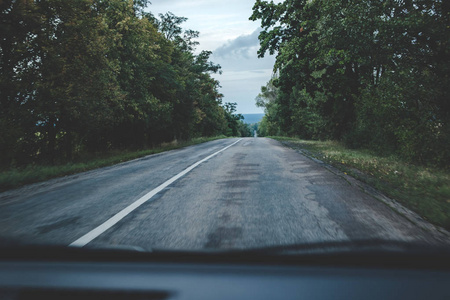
(91, 235)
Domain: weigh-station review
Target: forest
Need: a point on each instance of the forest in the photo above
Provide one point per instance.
(90, 76)
(372, 74)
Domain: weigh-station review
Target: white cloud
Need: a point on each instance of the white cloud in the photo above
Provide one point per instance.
(243, 46)
(216, 20)
(225, 27)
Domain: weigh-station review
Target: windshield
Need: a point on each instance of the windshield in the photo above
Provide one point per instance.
(225, 125)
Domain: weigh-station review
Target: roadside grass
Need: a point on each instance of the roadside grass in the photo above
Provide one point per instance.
(15, 178)
(422, 189)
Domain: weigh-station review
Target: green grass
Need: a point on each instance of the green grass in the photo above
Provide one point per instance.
(15, 178)
(422, 189)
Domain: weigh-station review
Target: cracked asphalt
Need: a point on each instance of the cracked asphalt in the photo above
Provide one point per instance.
(256, 193)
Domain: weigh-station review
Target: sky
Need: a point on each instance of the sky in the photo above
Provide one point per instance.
(226, 31)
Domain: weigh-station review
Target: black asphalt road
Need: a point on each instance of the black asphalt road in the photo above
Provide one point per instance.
(255, 193)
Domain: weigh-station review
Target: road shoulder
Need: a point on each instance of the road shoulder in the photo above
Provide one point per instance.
(438, 232)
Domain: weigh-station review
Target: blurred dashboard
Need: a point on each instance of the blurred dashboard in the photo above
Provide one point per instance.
(188, 278)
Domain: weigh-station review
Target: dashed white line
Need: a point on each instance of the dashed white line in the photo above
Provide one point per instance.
(91, 235)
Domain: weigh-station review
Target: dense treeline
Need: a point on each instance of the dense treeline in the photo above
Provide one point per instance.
(81, 76)
(371, 73)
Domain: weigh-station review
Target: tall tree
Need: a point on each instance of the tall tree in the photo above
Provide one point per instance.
(94, 75)
(371, 73)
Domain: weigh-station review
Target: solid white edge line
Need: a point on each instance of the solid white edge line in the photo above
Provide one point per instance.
(91, 235)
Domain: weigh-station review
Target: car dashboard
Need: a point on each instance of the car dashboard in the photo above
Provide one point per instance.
(135, 275)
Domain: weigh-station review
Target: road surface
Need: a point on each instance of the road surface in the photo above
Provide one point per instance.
(229, 193)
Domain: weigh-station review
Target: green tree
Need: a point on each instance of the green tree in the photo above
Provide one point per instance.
(94, 75)
(19, 73)
(371, 73)
(236, 127)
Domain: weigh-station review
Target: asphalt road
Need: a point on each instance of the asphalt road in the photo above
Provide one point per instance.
(255, 193)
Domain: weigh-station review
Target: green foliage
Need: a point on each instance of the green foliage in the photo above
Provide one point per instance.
(235, 125)
(93, 76)
(371, 73)
(269, 124)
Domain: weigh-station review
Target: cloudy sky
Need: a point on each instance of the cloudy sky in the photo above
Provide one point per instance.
(226, 31)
